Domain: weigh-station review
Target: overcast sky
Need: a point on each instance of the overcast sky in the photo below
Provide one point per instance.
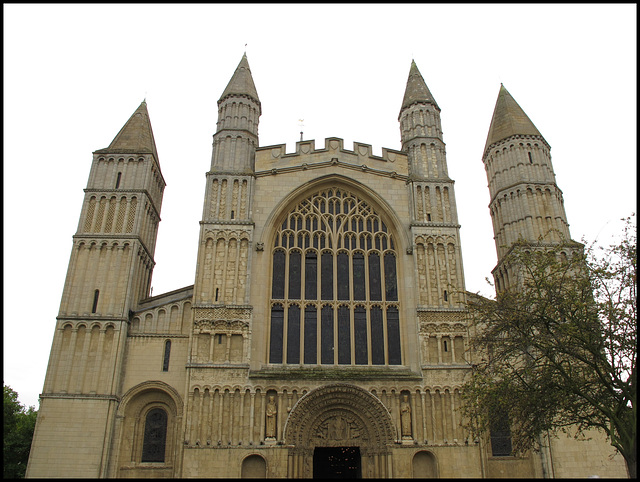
(74, 74)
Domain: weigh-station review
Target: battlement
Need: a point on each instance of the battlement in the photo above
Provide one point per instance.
(306, 156)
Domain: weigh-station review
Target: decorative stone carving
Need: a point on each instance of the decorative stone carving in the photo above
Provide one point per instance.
(217, 326)
(337, 428)
(405, 417)
(222, 313)
(442, 316)
(443, 328)
(333, 414)
(271, 414)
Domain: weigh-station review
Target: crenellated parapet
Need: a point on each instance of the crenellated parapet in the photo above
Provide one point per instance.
(274, 159)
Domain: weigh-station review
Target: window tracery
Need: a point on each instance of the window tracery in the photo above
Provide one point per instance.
(334, 294)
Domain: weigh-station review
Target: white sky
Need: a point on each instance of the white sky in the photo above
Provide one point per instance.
(74, 74)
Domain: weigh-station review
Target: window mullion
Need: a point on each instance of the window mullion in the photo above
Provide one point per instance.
(369, 328)
(385, 336)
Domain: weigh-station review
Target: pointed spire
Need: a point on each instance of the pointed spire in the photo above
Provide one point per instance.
(136, 136)
(417, 90)
(508, 119)
(241, 83)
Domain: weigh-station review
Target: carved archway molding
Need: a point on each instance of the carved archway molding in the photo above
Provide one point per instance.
(337, 415)
(149, 386)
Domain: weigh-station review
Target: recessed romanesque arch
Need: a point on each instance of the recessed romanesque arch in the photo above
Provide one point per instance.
(339, 414)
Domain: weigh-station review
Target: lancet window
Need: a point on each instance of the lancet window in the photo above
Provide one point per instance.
(334, 291)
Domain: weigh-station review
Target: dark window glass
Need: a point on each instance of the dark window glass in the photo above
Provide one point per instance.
(96, 295)
(343, 276)
(500, 436)
(327, 276)
(326, 335)
(360, 333)
(293, 334)
(310, 275)
(167, 353)
(278, 275)
(390, 283)
(155, 436)
(310, 335)
(344, 336)
(358, 277)
(345, 266)
(393, 336)
(277, 323)
(377, 336)
(294, 275)
(375, 292)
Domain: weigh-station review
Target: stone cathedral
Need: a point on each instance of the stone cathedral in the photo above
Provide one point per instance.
(325, 334)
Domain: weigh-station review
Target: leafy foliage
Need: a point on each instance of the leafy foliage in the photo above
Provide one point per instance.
(19, 424)
(559, 349)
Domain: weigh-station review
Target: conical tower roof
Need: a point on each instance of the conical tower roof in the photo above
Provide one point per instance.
(136, 136)
(417, 90)
(508, 120)
(241, 83)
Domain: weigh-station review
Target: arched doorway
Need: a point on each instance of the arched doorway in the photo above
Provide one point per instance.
(337, 463)
(343, 427)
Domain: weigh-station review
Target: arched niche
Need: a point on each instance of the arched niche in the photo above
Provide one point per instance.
(254, 467)
(424, 465)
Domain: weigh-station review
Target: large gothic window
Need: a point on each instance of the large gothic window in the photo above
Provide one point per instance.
(334, 293)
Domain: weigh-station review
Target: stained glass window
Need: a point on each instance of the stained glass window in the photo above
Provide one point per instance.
(333, 255)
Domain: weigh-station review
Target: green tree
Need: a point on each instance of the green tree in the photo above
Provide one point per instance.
(559, 351)
(19, 424)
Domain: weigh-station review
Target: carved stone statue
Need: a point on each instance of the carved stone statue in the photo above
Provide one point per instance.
(338, 429)
(405, 416)
(271, 413)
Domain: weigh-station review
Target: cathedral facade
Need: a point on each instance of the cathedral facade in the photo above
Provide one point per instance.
(325, 333)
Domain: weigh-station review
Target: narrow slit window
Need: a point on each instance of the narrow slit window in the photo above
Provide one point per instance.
(118, 180)
(96, 295)
(167, 354)
(530, 158)
(446, 295)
